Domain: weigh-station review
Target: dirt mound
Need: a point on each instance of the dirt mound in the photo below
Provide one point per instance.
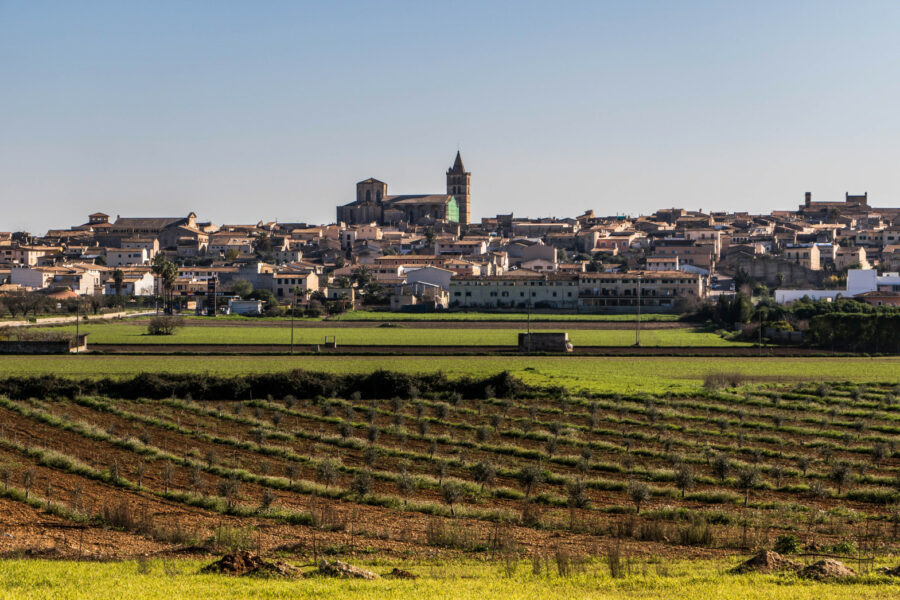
(343, 570)
(827, 569)
(401, 574)
(247, 563)
(766, 562)
(895, 572)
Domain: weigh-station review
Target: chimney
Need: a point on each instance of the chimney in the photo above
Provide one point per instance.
(808, 199)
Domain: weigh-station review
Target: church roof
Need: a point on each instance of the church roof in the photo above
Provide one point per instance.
(371, 180)
(458, 164)
(418, 199)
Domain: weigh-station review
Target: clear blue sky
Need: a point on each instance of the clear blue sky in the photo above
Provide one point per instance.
(273, 110)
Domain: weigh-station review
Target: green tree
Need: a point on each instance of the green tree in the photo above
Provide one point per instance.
(118, 278)
(241, 287)
(166, 275)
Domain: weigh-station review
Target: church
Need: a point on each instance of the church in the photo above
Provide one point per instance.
(373, 204)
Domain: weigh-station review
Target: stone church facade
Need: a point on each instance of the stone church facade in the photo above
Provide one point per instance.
(373, 204)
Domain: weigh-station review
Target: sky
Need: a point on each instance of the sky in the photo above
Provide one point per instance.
(247, 111)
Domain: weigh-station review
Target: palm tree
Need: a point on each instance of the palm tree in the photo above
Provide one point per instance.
(118, 278)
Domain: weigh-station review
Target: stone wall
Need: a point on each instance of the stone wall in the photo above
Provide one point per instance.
(766, 270)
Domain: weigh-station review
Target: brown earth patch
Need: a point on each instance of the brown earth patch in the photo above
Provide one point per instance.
(766, 562)
(827, 569)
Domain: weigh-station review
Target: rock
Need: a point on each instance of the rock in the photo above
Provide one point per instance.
(827, 569)
(401, 574)
(247, 563)
(343, 570)
(766, 562)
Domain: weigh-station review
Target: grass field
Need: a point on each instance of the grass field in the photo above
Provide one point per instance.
(600, 374)
(158, 579)
(364, 315)
(117, 333)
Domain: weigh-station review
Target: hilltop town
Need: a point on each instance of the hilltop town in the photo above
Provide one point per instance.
(423, 252)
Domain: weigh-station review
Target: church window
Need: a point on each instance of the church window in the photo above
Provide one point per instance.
(368, 195)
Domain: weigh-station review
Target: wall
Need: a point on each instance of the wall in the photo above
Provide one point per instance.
(544, 342)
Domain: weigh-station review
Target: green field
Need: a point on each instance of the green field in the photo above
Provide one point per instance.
(601, 374)
(653, 578)
(117, 333)
(371, 315)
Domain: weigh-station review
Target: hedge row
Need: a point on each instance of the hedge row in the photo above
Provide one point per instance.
(299, 383)
(857, 332)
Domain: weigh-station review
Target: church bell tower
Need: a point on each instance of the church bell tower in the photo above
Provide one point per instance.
(459, 186)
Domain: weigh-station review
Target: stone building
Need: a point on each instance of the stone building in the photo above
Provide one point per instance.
(374, 205)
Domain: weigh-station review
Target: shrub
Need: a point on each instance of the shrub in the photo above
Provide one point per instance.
(787, 544)
(361, 484)
(696, 534)
(226, 537)
(164, 325)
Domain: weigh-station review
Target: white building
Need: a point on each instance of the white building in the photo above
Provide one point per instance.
(432, 275)
(859, 281)
(127, 257)
(132, 285)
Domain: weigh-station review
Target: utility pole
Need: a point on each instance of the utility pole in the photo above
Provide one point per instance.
(637, 330)
(760, 329)
(77, 319)
(293, 308)
(530, 345)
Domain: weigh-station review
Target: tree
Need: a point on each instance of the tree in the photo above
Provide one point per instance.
(166, 275)
(263, 244)
(231, 254)
(292, 471)
(684, 478)
(721, 467)
(229, 489)
(95, 301)
(841, 476)
(484, 473)
(361, 484)
(363, 276)
(327, 472)
(28, 480)
(530, 477)
(118, 278)
(164, 325)
(639, 493)
(241, 287)
(266, 296)
(452, 492)
(405, 485)
(578, 497)
(747, 480)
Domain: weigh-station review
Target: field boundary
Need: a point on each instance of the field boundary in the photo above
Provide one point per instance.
(352, 349)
